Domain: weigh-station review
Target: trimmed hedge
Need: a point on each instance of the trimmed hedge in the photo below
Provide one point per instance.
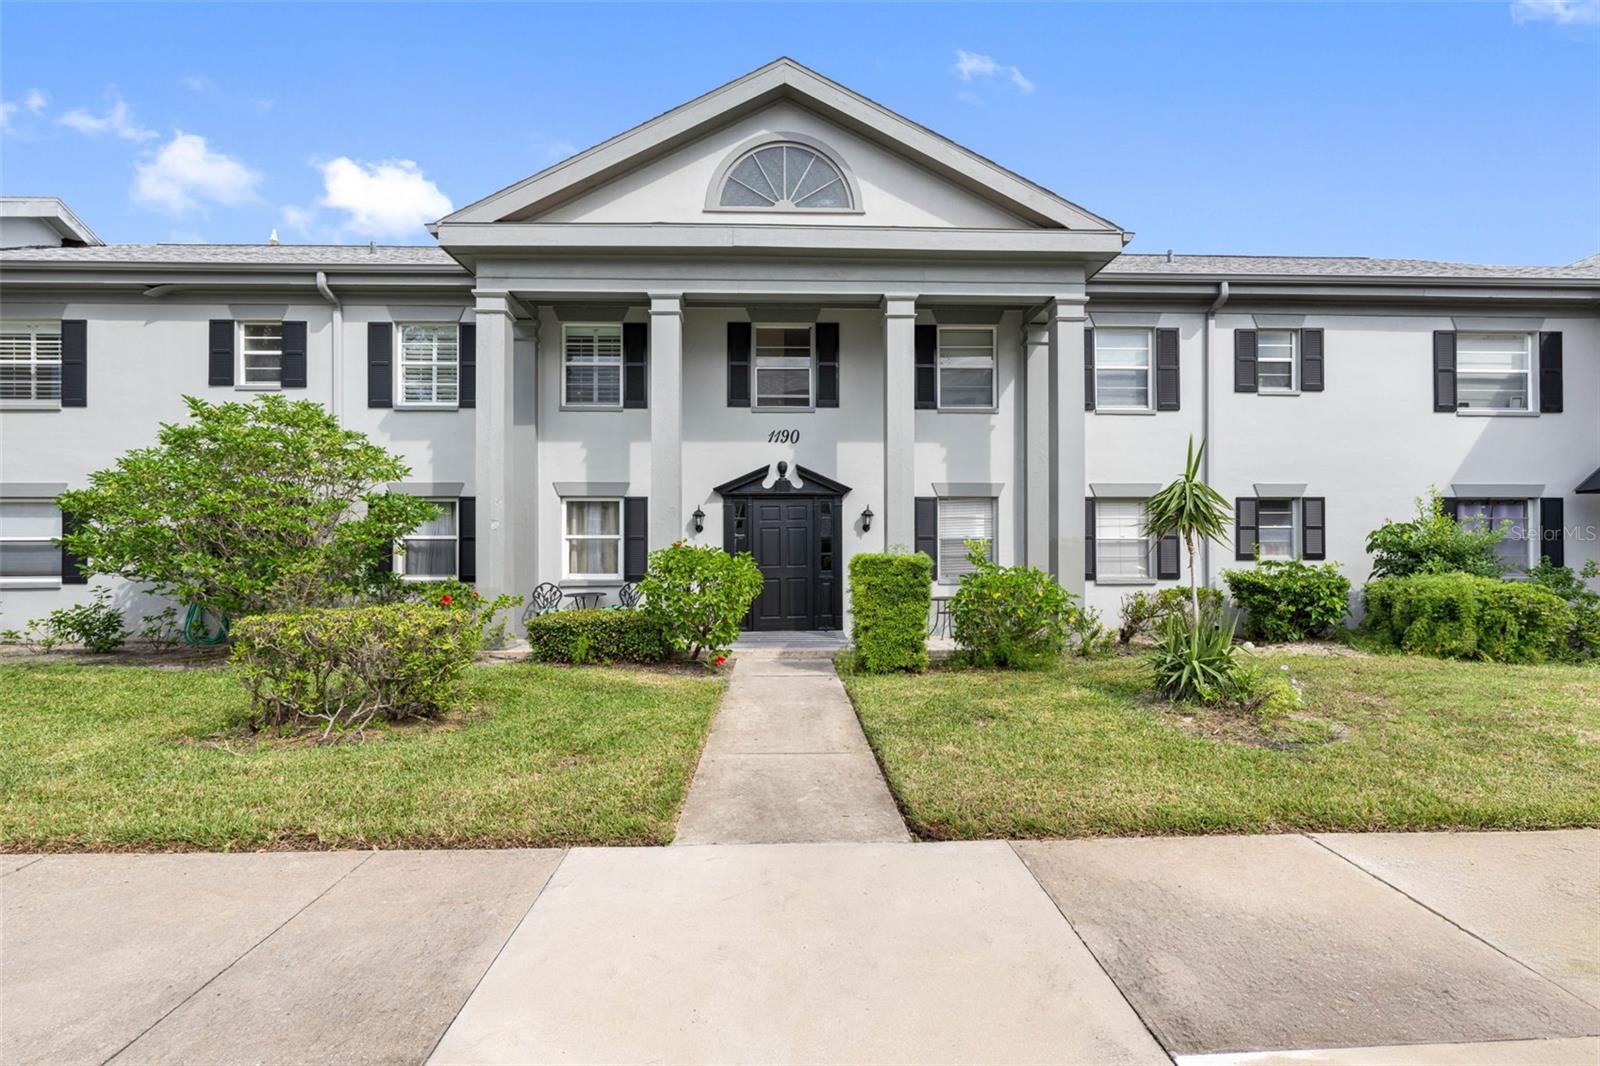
(890, 597)
(1462, 616)
(596, 636)
(340, 667)
(1289, 600)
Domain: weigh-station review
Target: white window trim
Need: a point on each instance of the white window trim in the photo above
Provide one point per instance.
(622, 368)
(755, 363)
(1294, 365)
(238, 368)
(1149, 407)
(620, 537)
(1531, 347)
(798, 140)
(34, 328)
(400, 402)
(1295, 537)
(1149, 576)
(45, 582)
(994, 541)
(994, 372)
(454, 538)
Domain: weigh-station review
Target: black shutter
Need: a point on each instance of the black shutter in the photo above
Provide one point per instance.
(75, 363)
(927, 344)
(1444, 370)
(467, 537)
(1167, 376)
(635, 364)
(1088, 370)
(738, 364)
(1552, 528)
(927, 528)
(467, 358)
(827, 364)
(1244, 360)
(1167, 552)
(1313, 527)
(1246, 527)
(1550, 401)
(380, 364)
(1311, 360)
(1088, 538)
(635, 537)
(221, 366)
(293, 373)
(70, 574)
(1450, 505)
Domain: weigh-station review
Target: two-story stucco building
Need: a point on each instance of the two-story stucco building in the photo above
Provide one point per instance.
(621, 350)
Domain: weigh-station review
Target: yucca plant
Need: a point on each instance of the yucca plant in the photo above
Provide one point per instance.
(1197, 661)
(1194, 511)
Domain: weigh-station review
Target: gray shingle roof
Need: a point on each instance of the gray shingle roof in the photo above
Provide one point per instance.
(337, 255)
(1336, 267)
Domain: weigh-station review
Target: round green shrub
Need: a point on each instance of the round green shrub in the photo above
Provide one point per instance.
(1010, 616)
(1289, 600)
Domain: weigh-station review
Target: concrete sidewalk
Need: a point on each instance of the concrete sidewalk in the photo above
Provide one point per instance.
(1416, 948)
(786, 761)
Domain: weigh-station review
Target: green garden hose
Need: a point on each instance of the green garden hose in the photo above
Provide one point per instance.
(195, 632)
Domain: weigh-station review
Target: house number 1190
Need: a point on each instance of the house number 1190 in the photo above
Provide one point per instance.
(784, 436)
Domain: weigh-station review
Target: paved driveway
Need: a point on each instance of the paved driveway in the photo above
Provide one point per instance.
(1418, 948)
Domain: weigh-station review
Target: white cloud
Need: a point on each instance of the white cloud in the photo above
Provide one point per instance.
(1561, 12)
(199, 83)
(119, 121)
(33, 102)
(185, 173)
(971, 65)
(388, 199)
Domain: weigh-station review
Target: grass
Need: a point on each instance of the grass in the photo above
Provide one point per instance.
(1082, 750)
(116, 757)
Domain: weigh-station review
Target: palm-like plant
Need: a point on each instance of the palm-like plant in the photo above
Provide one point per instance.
(1194, 511)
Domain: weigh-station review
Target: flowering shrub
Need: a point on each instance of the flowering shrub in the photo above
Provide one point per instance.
(697, 596)
(1009, 616)
(488, 614)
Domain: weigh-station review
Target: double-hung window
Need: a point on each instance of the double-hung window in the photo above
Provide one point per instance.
(29, 552)
(783, 367)
(260, 354)
(1275, 529)
(30, 362)
(1277, 356)
(966, 367)
(963, 519)
(1494, 371)
(593, 534)
(592, 366)
(429, 364)
(1493, 514)
(431, 550)
(1123, 550)
(1122, 370)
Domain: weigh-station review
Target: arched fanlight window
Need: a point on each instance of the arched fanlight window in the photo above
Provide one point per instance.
(788, 177)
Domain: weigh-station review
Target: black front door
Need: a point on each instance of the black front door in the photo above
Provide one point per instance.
(781, 540)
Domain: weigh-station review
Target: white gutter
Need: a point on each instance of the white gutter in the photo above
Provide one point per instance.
(337, 381)
(1208, 339)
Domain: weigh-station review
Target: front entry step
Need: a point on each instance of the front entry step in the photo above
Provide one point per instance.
(787, 763)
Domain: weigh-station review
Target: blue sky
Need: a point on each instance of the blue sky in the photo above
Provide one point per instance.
(1450, 131)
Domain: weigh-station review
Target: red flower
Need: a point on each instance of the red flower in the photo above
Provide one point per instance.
(447, 599)
(719, 660)
(475, 595)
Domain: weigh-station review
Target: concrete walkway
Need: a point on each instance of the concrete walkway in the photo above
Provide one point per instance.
(786, 761)
(1343, 949)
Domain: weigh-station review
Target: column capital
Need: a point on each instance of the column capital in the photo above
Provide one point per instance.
(1068, 307)
(493, 303)
(666, 303)
(899, 305)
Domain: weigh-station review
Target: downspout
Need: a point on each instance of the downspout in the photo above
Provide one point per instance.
(337, 381)
(1205, 411)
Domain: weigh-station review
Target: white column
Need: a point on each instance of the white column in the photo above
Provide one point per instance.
(492, 468)
(666, 419)
(1036, 442)
(1064, 323)
(899, 421)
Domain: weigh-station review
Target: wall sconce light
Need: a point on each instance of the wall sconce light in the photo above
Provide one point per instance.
(866, 520)
(699, 520)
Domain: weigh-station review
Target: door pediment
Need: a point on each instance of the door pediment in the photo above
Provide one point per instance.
(754, 483)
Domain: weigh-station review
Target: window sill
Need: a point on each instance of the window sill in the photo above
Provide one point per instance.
(1123, 411)
(599, 582)
(1126, 582)
(782, 410)
(258, 388)
(30, 583)
(994, 410)
(1277, 392)
(30, 405)
(427, 407)
(1488, 413)
(596, 408)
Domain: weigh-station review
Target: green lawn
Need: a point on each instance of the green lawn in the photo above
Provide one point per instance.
(1081, 750)
(110, 757)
